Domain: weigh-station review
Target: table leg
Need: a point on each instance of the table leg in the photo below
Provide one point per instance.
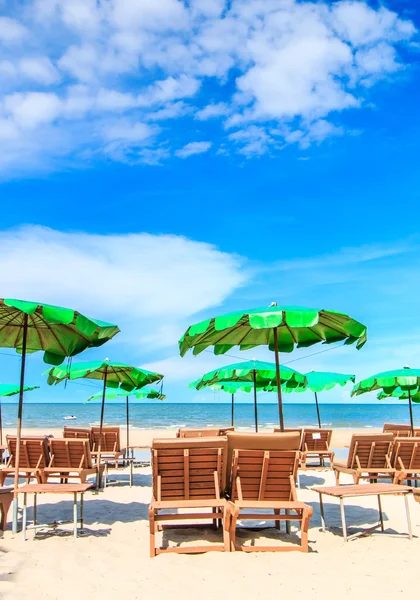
(25, 497)
(287, 523)
(321, 507)
(407, 510)
(35, 508)
(131, 473)
(381, 518)
(75, 513)
(343, 519)
(81, 510)
(15, 516)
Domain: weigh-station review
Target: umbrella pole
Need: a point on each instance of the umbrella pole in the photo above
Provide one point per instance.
(128, 422)
(317, 410)
(1, 425)
(410, 404)
(233, 409)
(255, 401)
(19, 425)
(98, 476)
(278, 380)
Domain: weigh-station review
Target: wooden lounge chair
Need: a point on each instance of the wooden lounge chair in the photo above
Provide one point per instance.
(80, 433)
(369, 457)
(110, 447)
(316, 443)
(6, 499)
(405, 459)
(189, 474)
(397, 429)
(263, 477)
(187, 432)
(71, 459)
(34, 457)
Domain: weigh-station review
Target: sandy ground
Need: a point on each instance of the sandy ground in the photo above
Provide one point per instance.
(111, 559)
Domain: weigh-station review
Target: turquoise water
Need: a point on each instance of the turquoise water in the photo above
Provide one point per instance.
(168, 415)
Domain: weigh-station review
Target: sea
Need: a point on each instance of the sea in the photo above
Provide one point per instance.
(161, 415)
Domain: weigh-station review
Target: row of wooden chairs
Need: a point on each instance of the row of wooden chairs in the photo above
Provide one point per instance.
(110, 445)
(401, 430)
(42, 457)
(230, 475)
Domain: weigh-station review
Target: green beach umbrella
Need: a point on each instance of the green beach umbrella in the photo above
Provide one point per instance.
(281, 328)
(7, 389)
(399, 393)
(408, 380)
(257, 373)
(120, 393)
(113, 375)
(58, 332)
(321, 381)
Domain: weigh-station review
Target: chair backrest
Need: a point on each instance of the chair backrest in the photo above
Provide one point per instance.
(289, 430)
(190, 432)
(33, 451)
(110, 439)
(406, 453)
(370, 450)
(189, 468)
(314, 439)
(398, 429)
(79, 433)
(284, 441)
(70, 453)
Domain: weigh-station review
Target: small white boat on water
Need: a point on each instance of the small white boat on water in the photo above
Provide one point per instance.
(70, 418)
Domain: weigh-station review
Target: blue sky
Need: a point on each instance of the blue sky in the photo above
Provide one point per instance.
(166, 161)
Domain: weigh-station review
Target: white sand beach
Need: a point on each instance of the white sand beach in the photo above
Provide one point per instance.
(111, 558)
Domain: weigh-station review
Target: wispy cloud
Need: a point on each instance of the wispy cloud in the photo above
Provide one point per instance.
(193, 148)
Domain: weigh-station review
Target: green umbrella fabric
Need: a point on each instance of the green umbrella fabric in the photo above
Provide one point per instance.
(321, 381)
(265, 375)
(281, 328)
(59, 332)
(401, 394)
(408, 380)
(120, 393)
(8, 389)
(116, 374)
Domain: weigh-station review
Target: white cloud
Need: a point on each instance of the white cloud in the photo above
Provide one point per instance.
(140, 281)
(32, 109)
(193, 148)
(11, 31)
(211, 111)
(39, 69)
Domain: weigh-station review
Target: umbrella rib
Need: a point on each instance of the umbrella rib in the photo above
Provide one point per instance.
(54, 335)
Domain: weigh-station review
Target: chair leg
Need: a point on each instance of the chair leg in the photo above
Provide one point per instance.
(226, 529)
(277, 523)
(304, 530)
(152, 529)
(233, 520)
(337, 477)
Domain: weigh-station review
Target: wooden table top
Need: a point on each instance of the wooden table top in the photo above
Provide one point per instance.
(363, 489)
(54, 488)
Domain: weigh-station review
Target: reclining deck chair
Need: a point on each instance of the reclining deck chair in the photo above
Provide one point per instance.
(80, 433)
(397, 429)
(405, 459)
(263, 476)
(110, 447)
(71, 459)
(189, 432)
(369, 457)
(33, 458)
(189, 474)
(316, 443)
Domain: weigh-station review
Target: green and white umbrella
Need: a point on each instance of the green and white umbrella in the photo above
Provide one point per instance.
(7, 389)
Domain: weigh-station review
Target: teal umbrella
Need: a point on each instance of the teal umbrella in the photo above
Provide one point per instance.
(406, 379)
(113, 374)
(256, 373)
(7, 389)
(281, 328)
(399, 393)
(120, 393)
(321, 381)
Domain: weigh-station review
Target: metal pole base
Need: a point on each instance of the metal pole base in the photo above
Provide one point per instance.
(15, 516)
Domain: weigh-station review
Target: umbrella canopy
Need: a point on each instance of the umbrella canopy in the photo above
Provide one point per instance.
(58, 332)
(119, 393)
(399, 393)
(408, 380)
(280, 327)
(8, 389)
(257, 373)
(320, 381)
(113, 374)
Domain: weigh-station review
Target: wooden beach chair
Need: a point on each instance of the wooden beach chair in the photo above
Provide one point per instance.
(187, 432)
(6, 499)
(397, 429)
(263, 477)
(369, 458)
(71, 459)
(34, 457)
(316, 444)
(111, 450)
(189, 474)
(80, 433)
(405, 459)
